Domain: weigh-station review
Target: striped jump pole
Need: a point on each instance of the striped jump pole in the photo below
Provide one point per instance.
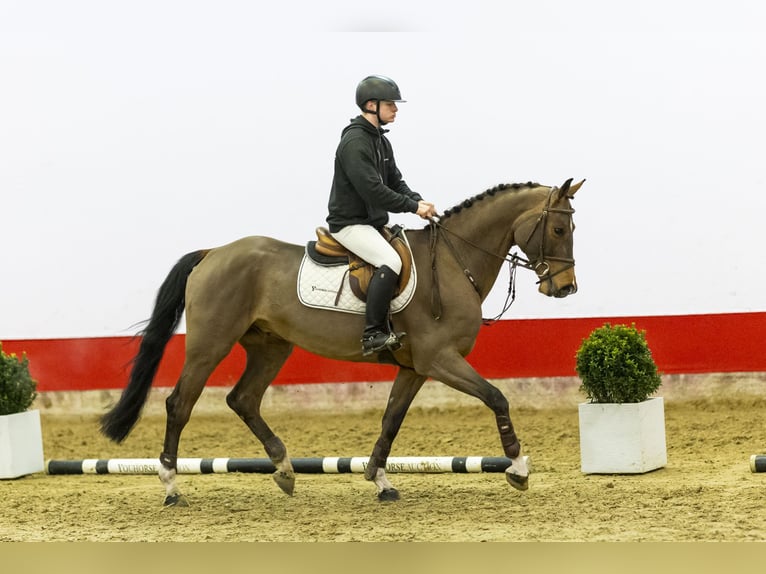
(758, 463)
(322, 465)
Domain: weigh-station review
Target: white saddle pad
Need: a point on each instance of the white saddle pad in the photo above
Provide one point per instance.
(318, 287)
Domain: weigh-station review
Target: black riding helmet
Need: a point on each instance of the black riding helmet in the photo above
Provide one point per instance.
(377, 88)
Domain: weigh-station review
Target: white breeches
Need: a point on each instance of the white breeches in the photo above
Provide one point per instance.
(367, 243)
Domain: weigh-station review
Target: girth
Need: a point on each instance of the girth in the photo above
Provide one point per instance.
(327, 251)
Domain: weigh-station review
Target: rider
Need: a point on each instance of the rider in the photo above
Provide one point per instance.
(366, 186)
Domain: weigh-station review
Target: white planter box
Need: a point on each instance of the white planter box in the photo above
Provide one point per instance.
(21, 444)
(626, 438)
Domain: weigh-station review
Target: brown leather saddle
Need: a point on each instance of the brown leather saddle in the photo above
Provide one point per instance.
(327, 251)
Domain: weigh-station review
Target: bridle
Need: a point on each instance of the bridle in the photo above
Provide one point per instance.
(540, 265)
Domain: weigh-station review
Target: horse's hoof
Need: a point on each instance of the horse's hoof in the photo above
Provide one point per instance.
(175, 500)
(388, 495)
(285, 481)
(517, 482)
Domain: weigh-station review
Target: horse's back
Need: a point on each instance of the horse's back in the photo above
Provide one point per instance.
(254, 250)
(248, 260)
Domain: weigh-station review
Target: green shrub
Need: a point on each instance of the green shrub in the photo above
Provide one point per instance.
(18, 389)
(615, 365)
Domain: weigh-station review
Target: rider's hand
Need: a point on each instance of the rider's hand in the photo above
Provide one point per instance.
(426, 209)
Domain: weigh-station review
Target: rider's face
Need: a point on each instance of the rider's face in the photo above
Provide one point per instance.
(387, 111)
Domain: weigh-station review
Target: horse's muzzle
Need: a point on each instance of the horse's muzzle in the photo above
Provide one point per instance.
(566, 290)
(551, 289)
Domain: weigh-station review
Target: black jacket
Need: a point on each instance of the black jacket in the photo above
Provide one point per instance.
(367, 185)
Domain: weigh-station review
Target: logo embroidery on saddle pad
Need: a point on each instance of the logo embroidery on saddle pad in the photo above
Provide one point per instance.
(320, 286)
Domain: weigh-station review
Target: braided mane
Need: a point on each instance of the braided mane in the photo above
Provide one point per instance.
(488, 193)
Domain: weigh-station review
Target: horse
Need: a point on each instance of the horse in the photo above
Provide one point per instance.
(245, 293)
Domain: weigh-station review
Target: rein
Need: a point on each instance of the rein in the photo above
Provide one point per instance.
(540, 266)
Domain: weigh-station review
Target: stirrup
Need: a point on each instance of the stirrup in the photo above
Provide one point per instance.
(381, 341)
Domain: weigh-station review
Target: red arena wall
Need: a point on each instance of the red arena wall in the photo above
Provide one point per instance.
(731, 342)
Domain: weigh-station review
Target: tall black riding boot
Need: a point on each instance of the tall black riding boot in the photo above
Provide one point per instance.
(377, 336)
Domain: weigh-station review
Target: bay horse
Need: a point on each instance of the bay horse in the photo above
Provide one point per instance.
(245, 292)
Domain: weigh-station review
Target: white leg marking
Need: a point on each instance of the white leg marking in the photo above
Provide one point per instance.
(520, 466)
(168, 478)
(381, 482)
(517, 474)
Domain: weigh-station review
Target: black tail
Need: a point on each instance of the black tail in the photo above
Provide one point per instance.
(168, 310)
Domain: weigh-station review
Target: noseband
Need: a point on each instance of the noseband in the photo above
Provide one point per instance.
(540, 265)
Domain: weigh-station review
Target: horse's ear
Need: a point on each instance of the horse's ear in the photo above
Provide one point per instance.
(568, 190)
(564, 189)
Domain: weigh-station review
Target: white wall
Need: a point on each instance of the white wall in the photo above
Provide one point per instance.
(134, 132)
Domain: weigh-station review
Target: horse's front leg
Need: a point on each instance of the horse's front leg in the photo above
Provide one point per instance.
(405, 387)
(517, 474)
(454, 371)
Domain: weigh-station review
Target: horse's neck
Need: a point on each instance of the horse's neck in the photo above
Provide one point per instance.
(483, 233)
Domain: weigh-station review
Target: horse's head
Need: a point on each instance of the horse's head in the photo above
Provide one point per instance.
(545, 234)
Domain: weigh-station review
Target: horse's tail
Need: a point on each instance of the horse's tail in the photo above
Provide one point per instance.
(168, 310)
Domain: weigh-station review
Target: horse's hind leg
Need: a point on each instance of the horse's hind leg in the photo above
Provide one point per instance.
(265, 357)
(197, 369)
(405, 387)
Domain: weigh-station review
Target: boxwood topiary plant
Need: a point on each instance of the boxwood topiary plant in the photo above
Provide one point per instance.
(615, 365)
(18, 389)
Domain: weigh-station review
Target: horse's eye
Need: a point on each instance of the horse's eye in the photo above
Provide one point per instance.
(559, 231)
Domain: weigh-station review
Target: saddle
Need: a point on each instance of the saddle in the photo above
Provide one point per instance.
(327, 251)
